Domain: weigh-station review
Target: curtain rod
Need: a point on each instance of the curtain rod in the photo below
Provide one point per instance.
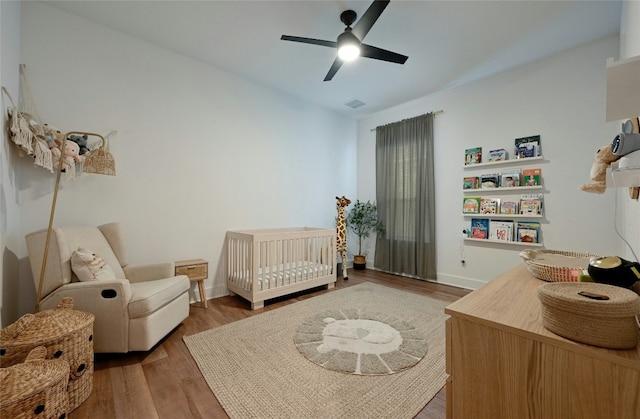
(435, 113)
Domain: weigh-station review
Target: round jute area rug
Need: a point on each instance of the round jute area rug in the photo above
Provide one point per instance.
(360, 342)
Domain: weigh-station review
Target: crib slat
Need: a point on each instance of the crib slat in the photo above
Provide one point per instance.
(275, 266)
(314, 256)
(248, 266)
(289, 260)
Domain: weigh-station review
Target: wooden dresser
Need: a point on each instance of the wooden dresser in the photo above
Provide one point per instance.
(503, 363)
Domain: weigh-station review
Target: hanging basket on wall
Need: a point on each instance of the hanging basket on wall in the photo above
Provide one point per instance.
(100, 160)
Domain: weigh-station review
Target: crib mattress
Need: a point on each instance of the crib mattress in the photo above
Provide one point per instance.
(280, 275)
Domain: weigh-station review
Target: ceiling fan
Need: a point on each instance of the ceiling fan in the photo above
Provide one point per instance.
(349, 43)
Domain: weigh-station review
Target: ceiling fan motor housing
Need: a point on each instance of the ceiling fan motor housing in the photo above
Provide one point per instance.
(347, 37)
(348, 17)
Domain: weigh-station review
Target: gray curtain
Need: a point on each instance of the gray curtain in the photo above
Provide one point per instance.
(405, 197)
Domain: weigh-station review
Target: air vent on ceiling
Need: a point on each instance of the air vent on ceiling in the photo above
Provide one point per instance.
(354, 104)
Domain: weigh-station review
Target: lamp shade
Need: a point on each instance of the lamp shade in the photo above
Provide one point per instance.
(348, 46)
(623, 89)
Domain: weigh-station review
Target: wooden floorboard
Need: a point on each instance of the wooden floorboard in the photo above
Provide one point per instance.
(165, 382)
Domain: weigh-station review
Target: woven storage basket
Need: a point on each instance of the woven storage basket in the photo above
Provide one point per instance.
(555, 265)
(607, 323)
(67, 334)
(35, 389)
(100, 161)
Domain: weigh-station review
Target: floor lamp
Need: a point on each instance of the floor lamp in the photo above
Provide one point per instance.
(98, 161)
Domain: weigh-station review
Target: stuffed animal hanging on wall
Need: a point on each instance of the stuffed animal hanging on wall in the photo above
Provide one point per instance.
(603, 159)
(82, 141)
(70, 155)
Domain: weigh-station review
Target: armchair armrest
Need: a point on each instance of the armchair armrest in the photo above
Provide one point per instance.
(109, 301)
(150, 272)
(89, 294)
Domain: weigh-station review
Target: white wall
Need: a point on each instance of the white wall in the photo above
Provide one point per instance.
(198, 151)
(10, 234)
(562, 99)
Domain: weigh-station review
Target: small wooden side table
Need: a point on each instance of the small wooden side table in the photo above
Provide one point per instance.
(196, 270)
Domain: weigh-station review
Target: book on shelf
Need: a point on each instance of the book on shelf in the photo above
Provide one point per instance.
(473, 155)
(489, 205)
(528, 232)
(531, 204)
(501, 230)
(510, 178)
(527, 150)
(499, 154)
(471, 205)
(479, 228)
(527, 147)
(532, 177)
(470, 182)
(489, 180)
(508, 207)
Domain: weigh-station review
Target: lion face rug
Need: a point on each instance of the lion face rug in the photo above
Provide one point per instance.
(360, 342)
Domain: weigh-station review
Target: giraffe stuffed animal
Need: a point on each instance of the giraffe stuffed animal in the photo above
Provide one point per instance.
(341, 233)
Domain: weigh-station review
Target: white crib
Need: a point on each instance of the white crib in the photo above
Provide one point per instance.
(269, 263)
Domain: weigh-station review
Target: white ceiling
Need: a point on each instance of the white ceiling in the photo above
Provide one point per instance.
(448, 42)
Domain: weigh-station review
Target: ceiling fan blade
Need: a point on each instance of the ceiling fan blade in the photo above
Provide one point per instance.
(321, 42)
(369, 18)
(382, 54)
(337, 63)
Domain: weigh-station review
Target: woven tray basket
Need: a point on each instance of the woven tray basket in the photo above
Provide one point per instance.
(607, 323)
(35, 389)
(66, 334)
(555, 265)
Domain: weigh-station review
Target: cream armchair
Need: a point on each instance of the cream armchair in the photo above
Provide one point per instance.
(134, 311)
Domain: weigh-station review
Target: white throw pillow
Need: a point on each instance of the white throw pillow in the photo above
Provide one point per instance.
(89, 266)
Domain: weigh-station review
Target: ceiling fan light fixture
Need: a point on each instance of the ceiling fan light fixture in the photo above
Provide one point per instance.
(348, 46)
(349, 52)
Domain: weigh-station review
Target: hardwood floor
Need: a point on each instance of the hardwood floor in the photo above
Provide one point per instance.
(166, 383)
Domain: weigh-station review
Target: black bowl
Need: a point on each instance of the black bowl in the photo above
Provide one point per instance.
(614, 270)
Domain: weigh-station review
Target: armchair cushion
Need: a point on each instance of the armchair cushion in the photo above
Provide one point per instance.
(115, 236)
(150, 271)
(147, 297)
(89, 266)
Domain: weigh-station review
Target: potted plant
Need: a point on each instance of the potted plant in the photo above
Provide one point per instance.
(363, 220)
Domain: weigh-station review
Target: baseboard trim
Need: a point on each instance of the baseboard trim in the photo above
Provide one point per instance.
(460, 282)
(454, 281)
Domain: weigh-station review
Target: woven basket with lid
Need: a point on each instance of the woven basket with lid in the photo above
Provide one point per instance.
(36, 388)
(66, 334)
(607, 323)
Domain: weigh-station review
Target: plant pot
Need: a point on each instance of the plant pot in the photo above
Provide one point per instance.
(359, 262)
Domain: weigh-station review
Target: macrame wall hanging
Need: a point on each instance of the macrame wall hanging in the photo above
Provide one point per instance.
(71, 153)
